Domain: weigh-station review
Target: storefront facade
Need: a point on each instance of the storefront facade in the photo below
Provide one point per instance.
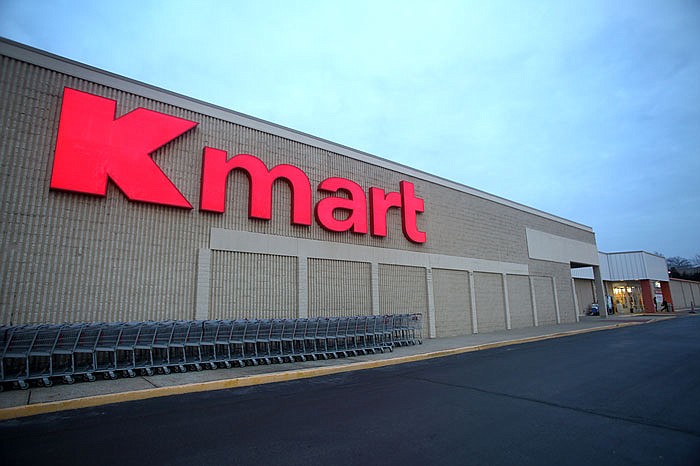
(124, 202)
(634, 282)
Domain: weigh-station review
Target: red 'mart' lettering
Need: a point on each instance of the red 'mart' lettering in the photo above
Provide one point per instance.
(92, 147)
(379, 205)
(355, 206)
(409, 212)
(215, 171)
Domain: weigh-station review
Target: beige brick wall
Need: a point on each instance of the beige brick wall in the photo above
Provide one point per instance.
(544, 295)
(452, 303)
(584, 293)
(249, 286)
(339, 288)
(684, 293)
(519, 301)
(71, 257)
(490, 306)
(677, 294)
(403, 290)
(565, 292)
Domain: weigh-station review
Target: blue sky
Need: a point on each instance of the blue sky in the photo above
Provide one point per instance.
(589, 110)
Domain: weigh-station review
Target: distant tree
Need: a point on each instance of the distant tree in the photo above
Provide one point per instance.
(686, 269)
(659, 254)
(676, 262)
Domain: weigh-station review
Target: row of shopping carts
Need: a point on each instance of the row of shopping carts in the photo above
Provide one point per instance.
(44, 353)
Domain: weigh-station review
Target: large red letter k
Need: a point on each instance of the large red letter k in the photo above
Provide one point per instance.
(93, 146)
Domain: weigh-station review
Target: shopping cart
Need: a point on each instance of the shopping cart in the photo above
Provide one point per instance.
(39, 357)
(62, 356)
(84, 352)
(105, 352)
(160, 349)
(222, 343)
(176, 347)
(143, 348)
(43, 353)
(15, 359)
(125, 350)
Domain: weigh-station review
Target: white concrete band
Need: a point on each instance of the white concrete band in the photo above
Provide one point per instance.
(244, 241)
(548, 247)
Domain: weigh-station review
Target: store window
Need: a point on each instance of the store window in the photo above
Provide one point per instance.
(627, 298)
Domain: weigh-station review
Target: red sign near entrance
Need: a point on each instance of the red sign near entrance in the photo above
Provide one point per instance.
(94, 146)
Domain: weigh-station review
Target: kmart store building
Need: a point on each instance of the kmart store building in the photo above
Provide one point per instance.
(123, 202)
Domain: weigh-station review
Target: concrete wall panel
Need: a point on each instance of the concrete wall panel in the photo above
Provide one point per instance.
(584, 293)
(245, 285)
(677, 294)
(519, 301)
(339, 288)
(490, 306)
(403, 290)
(452, 303)
(544, 294)
(565, 291)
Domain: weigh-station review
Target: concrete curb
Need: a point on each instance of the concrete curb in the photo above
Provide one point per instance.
(246, 381)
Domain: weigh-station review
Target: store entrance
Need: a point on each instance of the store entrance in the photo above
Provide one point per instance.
(627, 297)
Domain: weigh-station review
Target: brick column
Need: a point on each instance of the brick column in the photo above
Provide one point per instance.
(666, 291)
(647, 296)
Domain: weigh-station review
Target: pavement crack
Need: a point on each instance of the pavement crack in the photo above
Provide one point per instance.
(147, 380)
(592, 412)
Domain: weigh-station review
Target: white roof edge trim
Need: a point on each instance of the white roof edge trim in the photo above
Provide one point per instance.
(79, 70)
(632, 252)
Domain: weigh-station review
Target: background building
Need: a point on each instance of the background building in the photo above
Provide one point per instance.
(120, 201)
(686, 293)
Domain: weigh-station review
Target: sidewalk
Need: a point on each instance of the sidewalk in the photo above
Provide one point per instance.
(37, 400)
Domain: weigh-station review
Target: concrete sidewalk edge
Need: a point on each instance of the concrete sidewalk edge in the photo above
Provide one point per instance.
(260, 379)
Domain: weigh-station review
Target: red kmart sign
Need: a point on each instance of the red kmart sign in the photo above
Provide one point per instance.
(93, 146)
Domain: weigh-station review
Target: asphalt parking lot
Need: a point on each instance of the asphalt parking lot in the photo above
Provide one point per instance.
(624, 396)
